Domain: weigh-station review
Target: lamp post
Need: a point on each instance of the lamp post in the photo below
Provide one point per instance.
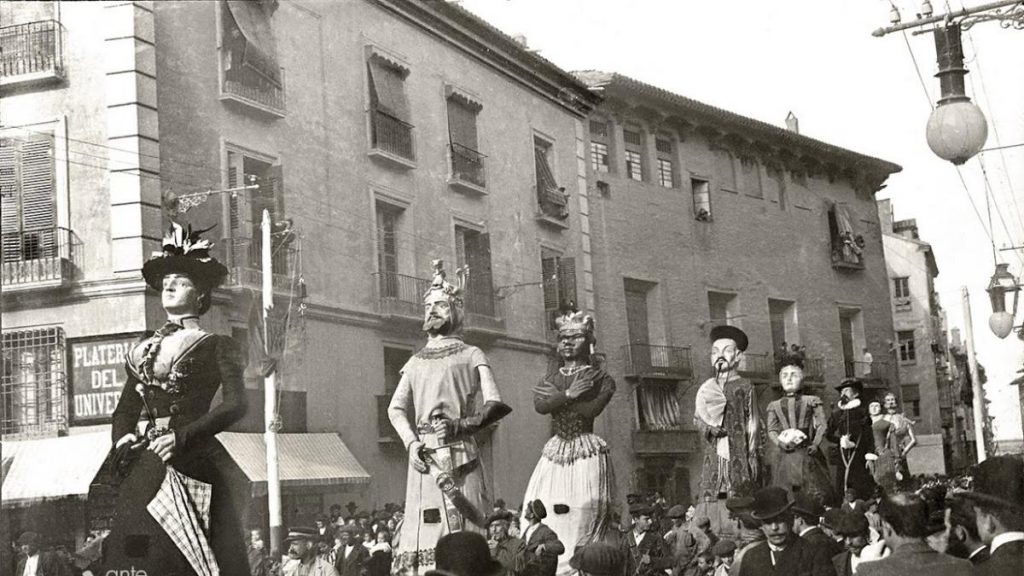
(1000, 287)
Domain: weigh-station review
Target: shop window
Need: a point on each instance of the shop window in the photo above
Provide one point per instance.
(34, 384)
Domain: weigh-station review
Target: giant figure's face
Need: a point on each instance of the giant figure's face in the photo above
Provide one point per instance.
(725, 356)
(791, 378)
(437, 314)
(890, 402)
(572, 345)
(875, 409)
(180, 295)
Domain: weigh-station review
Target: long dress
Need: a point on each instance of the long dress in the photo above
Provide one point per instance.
(180, 382)
(574, 477)
(797, 470)
(443, 380)
(729, 465)
(885, 446)
(901, 429)
(852, 420)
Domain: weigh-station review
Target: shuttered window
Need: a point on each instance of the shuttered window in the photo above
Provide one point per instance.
(29, 202)
(473, 249)
(559, 284)
(462, 124)
(387, 90)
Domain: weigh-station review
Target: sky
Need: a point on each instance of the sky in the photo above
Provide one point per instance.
(818, 59)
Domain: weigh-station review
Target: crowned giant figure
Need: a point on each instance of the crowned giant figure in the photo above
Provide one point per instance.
(726, 415)
(446, 395)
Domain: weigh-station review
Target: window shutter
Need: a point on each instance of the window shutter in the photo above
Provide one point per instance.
(240, 201)
(549, 273)
(387, 90)
(10, 196)
(273, 192)
(460, 247)
(567, 281)
(462, 124)
(38, 198)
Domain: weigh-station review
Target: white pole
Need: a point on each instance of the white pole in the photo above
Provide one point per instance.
(270, 398)
(979, 394)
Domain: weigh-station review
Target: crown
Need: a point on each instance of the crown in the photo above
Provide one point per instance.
(440, 283)
(794, 355)
(574, 321)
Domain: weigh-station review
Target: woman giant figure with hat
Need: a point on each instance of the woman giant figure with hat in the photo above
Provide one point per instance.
(574, 473)
(174, 514)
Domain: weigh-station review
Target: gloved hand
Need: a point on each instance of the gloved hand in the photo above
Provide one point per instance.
(488, 414)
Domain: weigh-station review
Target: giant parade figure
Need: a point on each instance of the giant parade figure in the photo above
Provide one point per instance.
(451, 390)
(849, 427)
(727, 418)
(174, 513)
(574, 475)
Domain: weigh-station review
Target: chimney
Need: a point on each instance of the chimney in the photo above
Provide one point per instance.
(792, 123)
(885, 215)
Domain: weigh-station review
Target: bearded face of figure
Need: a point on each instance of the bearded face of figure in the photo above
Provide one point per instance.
(848, 393)
(791, 378)
(437, 314)
(890, 403)
(725, 356)
(573, 345)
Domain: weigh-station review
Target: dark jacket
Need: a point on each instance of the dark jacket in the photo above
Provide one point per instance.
(981, 557)
(841, 563)
(651, 545)
(796, 559)
(510, 553)
(355, 564)
(1008, 559)
(915, 559)
(49, 565)
(546, 564)
(817, 539)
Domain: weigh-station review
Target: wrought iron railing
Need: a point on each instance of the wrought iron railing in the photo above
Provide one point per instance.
(847, 252)
(391, 135)
(245, 83)
(245, 259)
(402, 295)
(33, 388)
(814, 369)
(653, 360)
(468, 165)
(46, 255)
(31, 49)
(757, 366)
(876, 374)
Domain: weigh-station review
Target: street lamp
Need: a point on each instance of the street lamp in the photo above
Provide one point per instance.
(1000, 286)
(956, 129)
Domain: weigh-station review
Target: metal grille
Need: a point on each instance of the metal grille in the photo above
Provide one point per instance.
(632, 137)
(34, 385)
(663, 146)
(598, 129)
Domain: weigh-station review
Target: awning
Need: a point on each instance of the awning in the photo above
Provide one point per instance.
(260, 51)
(303, 460)
(52, 468)
(388, 84)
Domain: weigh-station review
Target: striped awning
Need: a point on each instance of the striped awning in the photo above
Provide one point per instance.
(50, 468)
(303, 460)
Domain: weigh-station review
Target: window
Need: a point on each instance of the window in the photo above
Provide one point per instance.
(246, 210)
(599, 160)
(559, 284)
(550, 195)
(901, 294)
(473, 249)
(390, 130)
(701, 190)
(467, 161)
(847, 245)
(33, 382)
(28, 199)
(666, 172)
(783, 323)
(911, 400)
(249, 55)
(387, 251)
(634, 154)
(723, 308)
(908, 354)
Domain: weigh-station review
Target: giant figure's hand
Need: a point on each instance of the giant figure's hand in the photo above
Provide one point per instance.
(416, 458)
(581, 385)
(164, 446)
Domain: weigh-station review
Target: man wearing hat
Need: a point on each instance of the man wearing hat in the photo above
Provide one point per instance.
(350, 556)
(726, 414)
(853, 529)
(36, 563)
(904, 528)
(849, 427)
(724, 551)
(504, 548)
(998, 499)
(740, 509)
(302, 557)
(807, 512)
(464, 554)
(539, 556)
(648, 553)
(598, 559)
(680, 540)
(782, 553)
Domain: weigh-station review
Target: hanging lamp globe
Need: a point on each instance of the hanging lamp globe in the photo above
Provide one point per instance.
(1001, 324)
(957, 131)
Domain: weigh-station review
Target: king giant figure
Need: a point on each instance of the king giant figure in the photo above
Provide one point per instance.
(452, 392)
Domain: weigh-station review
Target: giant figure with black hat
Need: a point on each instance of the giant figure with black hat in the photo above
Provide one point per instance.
(849, 427)
(447, 394)
(175, 513)
(727, 418)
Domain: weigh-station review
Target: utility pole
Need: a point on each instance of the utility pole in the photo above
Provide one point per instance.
(270, 396)
(979, 394)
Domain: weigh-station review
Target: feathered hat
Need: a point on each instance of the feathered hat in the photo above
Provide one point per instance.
(440, 283)
(794, 355)
(574, 322)
(185, 252)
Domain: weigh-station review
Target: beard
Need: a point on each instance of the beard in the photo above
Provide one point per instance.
(437, 325)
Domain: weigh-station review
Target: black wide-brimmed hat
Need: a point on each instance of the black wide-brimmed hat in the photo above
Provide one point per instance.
(185, 252)
(807, 504)
(465, 553)
(851, 383)
(640, 509)
(770, 502)
(732, 333)
(599, 559)
(739, 503)
(999, 482)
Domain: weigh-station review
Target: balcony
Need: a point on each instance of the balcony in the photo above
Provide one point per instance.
(391, 139)
(32, 52)
(40, 259)
(244, 85)
(244, 260)
(400, 297)
(468, 172)
(847, 253)
(875, 375)
(664, 441)
(757, 367)
(653, 361)
(385, 431)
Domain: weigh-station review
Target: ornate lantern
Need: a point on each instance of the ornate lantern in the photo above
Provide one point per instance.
(999, 287)
(956, 129)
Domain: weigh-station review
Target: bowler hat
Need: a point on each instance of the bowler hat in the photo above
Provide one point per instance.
(301, 533)
(639, 509)
(465, 553)
(807, 504)
(724, 548)
(677, 511)
(537, 508)
(732, 333)
(770, 502)
(850, 524)
(28, 539)
(999, 482)
(850, 383)
(599, 559)
(739, 503)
